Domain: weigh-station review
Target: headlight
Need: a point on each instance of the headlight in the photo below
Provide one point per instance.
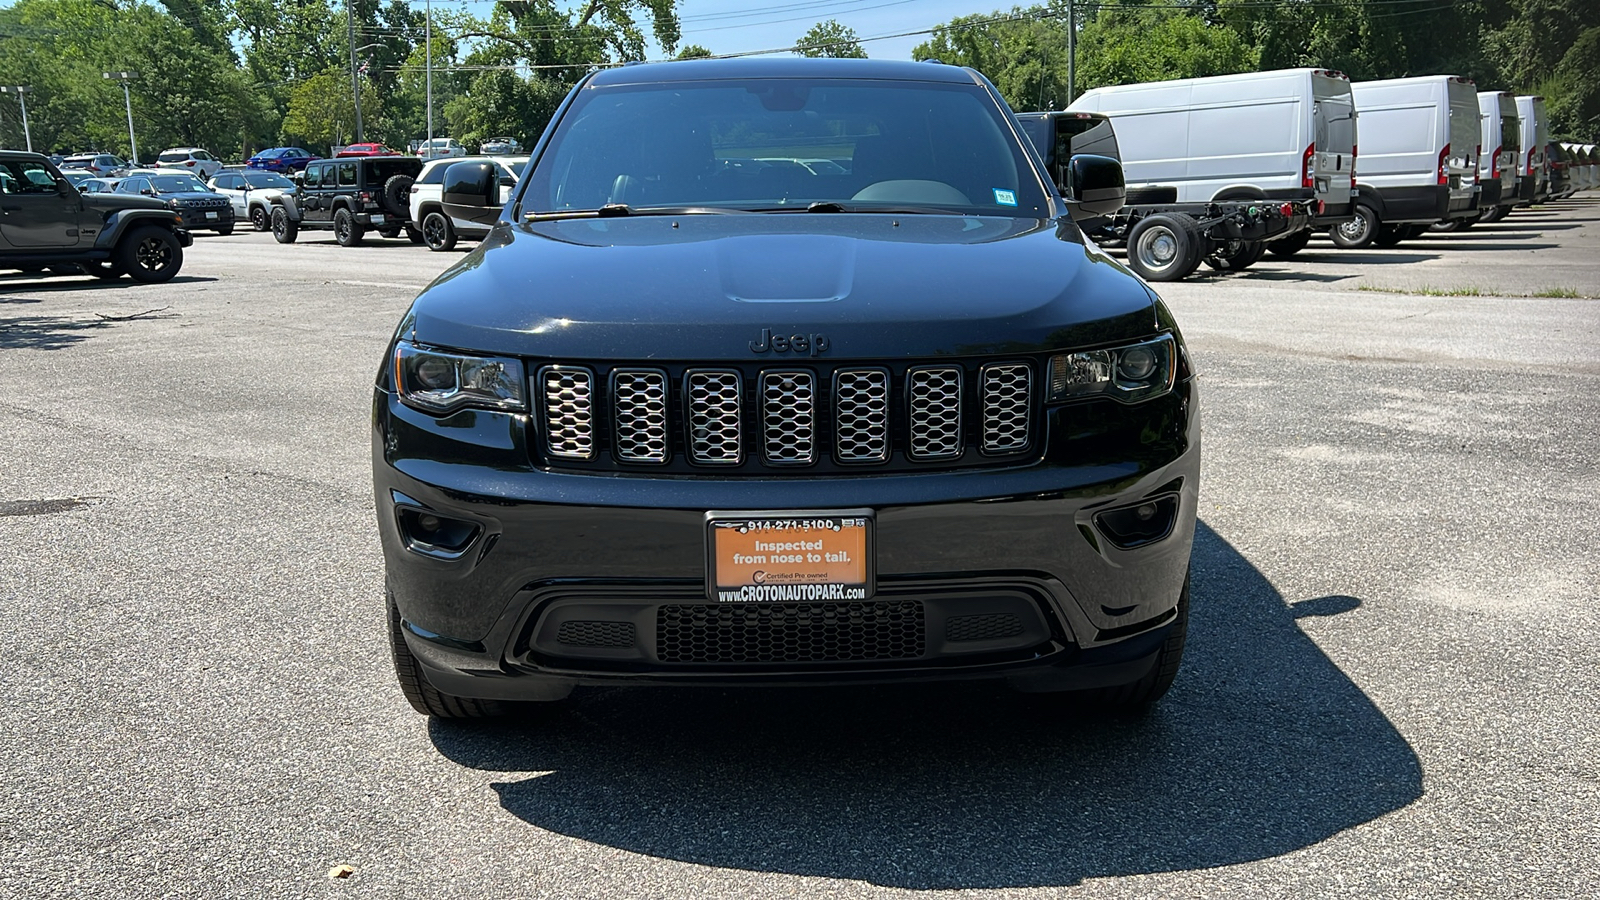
(443, 382)
(175, 204)
(1128, 374)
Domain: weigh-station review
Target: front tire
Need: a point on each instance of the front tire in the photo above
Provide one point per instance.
(1235, 256)
(284, 229)
(422, 695)
(150, 254)
(438, 233)
(1136, 696)
(345, 229)
(259, 220)
(225, 230)
(1359, 231)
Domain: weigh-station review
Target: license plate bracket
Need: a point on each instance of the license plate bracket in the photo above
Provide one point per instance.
(777, 556)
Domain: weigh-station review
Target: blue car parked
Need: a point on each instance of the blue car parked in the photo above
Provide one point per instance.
(281, 159)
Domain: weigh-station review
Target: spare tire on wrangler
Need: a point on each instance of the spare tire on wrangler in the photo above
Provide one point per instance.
(396, 197)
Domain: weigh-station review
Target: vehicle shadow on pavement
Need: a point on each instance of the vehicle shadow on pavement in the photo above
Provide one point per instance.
(34, 284)
(1263, 747)
(1359, 257)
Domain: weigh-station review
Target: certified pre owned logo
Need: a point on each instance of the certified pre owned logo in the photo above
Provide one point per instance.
(810, 344)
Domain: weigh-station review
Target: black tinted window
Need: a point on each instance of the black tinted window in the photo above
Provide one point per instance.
(780, 142)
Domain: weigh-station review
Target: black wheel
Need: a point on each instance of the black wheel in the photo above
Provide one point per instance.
(105, 270)
(150, 254)
(1290, 245)
(1391, 236)
(413, 234)
(437, 232)
(345, 229)
(1359, 231)
(259, 220)
(1163, 247)
(225, 230)
(396, 196)
(422, 695)
(284, 229)
(1153, 686)
(1494, 214)
(1234, 256)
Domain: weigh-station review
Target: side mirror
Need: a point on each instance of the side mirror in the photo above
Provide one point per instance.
(1095, 186)
(472, 192)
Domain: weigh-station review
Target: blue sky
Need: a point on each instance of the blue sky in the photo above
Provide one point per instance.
(732, 26)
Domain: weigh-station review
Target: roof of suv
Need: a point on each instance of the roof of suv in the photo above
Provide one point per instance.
(798, 67)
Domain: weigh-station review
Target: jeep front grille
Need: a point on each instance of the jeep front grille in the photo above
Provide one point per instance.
(569, 412)
(640, 415)
(789, 417)
(714, 412)
(1007, 407)
(806, 418)
(861, 415)
(935, 405)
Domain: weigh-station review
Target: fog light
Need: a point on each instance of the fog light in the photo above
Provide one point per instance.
(1140, 524)
(434, 535)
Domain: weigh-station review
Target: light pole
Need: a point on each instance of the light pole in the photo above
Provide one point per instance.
(20, 92)
(427, 39)
(127, 99)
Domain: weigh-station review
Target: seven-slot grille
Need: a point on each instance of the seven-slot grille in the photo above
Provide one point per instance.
(844, 416)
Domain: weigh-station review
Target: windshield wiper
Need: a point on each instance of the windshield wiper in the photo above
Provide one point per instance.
(622, 210)
(831, 206)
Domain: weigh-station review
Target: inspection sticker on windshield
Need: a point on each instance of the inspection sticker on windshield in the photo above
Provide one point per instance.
(1005, 198)
(787, 557)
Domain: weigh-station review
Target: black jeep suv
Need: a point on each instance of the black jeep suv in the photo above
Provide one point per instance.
(351, 196)
(45, 223)
(785, 371)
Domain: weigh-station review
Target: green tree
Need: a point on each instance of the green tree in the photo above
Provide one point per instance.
(502, 103)
(1022, 52)
(694, 51)
(322, 110)
(830, 39)
(1133, 46)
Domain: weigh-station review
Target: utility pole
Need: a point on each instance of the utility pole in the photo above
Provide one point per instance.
(1072, 53)
(21, 98)
(127, 99)
(355, 81)
(427, 32)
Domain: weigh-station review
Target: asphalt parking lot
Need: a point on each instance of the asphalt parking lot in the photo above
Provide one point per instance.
(1390, 688)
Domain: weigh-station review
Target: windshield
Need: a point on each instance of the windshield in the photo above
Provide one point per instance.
(267, 180)
(172, 184)
(173, 157)
(775, 143)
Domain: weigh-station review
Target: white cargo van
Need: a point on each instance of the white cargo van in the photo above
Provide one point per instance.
(1419, 158)
(1499, 141)
(1535, 124)
(1288, 134)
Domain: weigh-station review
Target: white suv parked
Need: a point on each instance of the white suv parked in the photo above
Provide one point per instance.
(251, 192)
(440, 232)
(192, 159)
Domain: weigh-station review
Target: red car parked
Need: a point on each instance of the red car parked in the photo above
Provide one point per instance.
(366, 150)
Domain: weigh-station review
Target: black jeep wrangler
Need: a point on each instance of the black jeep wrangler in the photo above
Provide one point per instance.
(351, 196)
(46, 224)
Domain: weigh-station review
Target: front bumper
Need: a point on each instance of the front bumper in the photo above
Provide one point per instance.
(197, 220)
(1006, 573)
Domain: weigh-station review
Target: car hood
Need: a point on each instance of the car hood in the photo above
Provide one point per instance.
(709, 286)
(110, 200)
(182, 196)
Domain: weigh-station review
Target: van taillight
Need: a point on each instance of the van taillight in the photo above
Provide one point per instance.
(1494, 164)
(1305, 166)
(1444, 165)
(1352, 166)
(1477, 162)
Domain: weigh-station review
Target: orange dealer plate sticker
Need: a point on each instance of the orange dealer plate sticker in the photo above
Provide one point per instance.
(789, 557)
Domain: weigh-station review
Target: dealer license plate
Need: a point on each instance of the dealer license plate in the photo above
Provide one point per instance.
(781, 557)
(211, 215)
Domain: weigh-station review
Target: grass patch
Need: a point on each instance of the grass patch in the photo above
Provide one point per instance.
(1426, 291)
(1550, 293)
